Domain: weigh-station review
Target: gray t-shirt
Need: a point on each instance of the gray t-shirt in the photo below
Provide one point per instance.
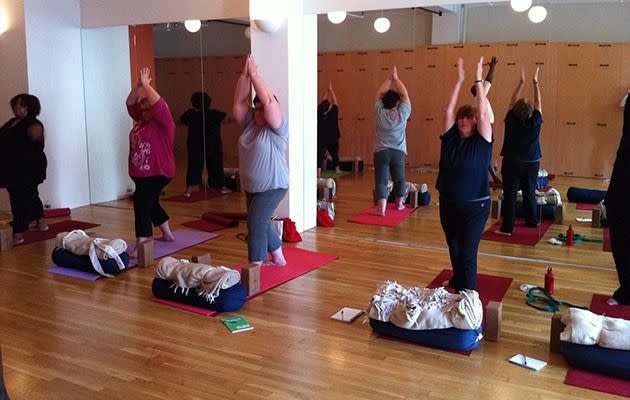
(391, 126)
(261, 155)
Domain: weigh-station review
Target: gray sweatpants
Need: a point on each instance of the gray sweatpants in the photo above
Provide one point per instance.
(387, 161)
(262, 239)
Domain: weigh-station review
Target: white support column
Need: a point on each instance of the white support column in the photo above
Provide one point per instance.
(287, 60)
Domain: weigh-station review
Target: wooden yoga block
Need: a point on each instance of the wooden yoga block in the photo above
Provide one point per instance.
(559, 214)
(250, 278)
(145, 253)
(555, 345)
(6, 237)
(495, 210)
(596, 218)
(413, 199)
(494, 316)
(203, 259)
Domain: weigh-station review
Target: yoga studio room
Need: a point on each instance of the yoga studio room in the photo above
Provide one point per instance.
(314, 199)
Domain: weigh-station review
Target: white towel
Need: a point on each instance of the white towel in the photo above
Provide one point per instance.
(587, 328)
(78, 242)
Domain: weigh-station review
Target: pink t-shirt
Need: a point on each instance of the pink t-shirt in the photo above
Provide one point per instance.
(151, 151)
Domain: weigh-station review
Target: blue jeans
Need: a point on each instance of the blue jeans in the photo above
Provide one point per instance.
(463, 223)
(262, 239)
(386, 161)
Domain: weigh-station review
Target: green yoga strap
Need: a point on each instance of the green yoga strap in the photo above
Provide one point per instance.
(578, 238)
(551, 304)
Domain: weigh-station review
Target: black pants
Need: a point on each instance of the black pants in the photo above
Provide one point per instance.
(213, 155)
(619, 220)
(463, 223)
(146, 204)
(524, 176)
(25, 206)
(332, 146)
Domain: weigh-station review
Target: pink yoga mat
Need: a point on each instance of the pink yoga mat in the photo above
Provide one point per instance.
(592, 380)
(392, 217)
(586, 206)
(520, 235)
(196, 310)
(607, 246)
(204, 225)
(54, 229)
(183, 239)
(75, 273)
(195, 196)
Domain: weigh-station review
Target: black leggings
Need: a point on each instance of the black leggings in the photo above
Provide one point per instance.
(214, 163)
(146, 204)
(333, 148)
(524, 175)
(25, 206)
(619, 220)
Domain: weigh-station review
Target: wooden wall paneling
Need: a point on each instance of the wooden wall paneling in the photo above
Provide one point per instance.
(322, 77)
(340, 66)
(625, 72)
(405, 61)
(364, 85)
(141, 50)
(230, 132)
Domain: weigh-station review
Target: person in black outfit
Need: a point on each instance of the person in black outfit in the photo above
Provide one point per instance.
(23, 164)
(617, 212)
(328, 134)
(204, 136)
(465, 155)
(521, 156)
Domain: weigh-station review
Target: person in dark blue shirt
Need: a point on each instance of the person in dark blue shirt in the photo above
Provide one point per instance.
(465, 155)
(328, 133)
(521, 156)
(618, 214)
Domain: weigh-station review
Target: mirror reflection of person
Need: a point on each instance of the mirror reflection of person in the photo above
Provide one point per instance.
(617, 211)
(262, 163)
(328, 133)
(23, 164)
(521, 156)
(204, 141)
(392, 109)
(151, 157)
(465, 154)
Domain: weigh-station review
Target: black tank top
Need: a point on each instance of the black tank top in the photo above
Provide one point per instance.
(22, 160)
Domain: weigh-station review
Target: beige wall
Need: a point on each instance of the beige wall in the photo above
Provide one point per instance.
(13, 61)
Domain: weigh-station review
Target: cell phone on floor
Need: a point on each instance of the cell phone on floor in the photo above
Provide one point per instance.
(528, 362)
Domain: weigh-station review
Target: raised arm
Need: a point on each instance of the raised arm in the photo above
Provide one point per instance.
(399, 86)
(449, 112)
(517, 91)
(333, 96)
(273, 113)
(134, 94)
(493, 64)
(241, 94)
(626, 116)
(385, 86)
(483, 118)
(622, 103)
(145, 79)
(537, 96)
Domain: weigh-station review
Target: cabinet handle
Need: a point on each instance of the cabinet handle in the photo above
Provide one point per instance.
(571, 123)
(408, 67)
(361, 119)
(605, 45)
(431, 66)
(573, 45)
(540, 44)
(568, 172)
(512, 45)
(340, 54)
(385, 69)
(409, 50)
(573, 65)
(339, 70)
(385, 52)
(484, 45)
(319, 70)
(511, 63)
(427, 164)
(362, 70)
(602, 124)
(362, 53)
(599, 175)
(432, 48)
(428, 119)
(604, 65)
(458, 47)
(540, 63)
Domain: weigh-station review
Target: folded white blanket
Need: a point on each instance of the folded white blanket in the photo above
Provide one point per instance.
(550, 197)
(207, 279)
(78, 242)
(421, 308)
(587, 328)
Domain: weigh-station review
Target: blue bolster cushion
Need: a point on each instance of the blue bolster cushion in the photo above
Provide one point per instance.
(543, 181)
(423, 198)
(230, 299)
(448, 339)
(589, 196)
(547, 211)
(64, 258)
(598, 359)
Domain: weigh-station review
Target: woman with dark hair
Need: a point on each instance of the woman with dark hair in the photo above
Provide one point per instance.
(262, 163)
(23, 164)
(465, 155)
(328, 129)
(151, 158)
(618, 214)
(204, 136)
(521, 156)
(392, 110)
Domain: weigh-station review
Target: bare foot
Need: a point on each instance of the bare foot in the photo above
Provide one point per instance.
(400, 207)
(277, 258)
(167, 238)
(41, 225)
(271, 263)
(446, 283)
(612, 302)
(500, 232)
(18, 239)
(377, 214)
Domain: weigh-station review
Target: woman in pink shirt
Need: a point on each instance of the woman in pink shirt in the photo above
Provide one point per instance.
(151, 158)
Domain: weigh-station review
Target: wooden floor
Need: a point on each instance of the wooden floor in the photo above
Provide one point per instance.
(64, 338)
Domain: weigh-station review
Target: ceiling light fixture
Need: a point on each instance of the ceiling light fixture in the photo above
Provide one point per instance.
(337, 17)
(537, 14)
(521, 5)
(192, 25)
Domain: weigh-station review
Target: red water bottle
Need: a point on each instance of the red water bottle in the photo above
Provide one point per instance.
(549, 280)
(570, 235)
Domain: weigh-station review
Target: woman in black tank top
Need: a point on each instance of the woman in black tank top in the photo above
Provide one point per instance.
(23, 164)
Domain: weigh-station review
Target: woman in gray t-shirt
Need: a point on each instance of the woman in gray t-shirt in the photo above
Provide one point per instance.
(262, 163)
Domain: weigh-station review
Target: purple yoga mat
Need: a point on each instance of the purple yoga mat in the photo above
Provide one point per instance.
(183, 239)
(75, 273)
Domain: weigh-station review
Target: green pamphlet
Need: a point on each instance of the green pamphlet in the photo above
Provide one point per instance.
(237, 324)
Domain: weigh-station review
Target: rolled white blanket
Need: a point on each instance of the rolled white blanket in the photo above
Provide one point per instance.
(422, 309)
(586, 328)
(79, 243)
(207, 279)
(550, 197)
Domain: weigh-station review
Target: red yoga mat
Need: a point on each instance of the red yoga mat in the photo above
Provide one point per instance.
(592, 380)
(490, 287)
(56, 212)
(239, 215)
(195, 196)
(520, 235)
(186, 307)
(586, 206)
(607, 246)
(204, 225)
(54, 229)
(221, 220)
(392, 217)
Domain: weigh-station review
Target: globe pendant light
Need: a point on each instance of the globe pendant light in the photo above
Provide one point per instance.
(337, 17)
(520, 5)
(192, 25)
(537, 14)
